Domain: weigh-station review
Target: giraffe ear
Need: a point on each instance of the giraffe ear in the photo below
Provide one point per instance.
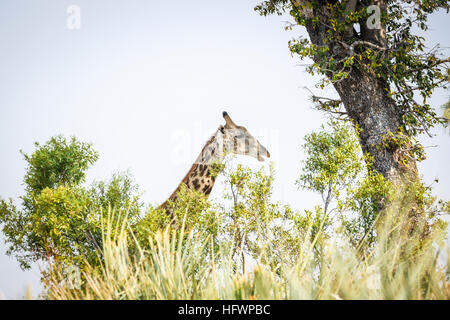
(229, 122)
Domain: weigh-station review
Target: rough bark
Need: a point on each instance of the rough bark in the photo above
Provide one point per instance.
(367, 104)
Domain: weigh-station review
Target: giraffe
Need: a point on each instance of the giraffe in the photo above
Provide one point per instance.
(228, 138)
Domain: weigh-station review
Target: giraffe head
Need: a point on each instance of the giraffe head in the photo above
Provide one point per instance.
(237, 140)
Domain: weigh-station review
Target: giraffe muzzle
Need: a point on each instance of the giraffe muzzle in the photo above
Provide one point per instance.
(263, 152)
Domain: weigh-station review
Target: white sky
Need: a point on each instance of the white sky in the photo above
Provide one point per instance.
(147, 82)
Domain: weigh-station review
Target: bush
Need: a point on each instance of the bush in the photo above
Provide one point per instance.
(60, 219)
(186, 265)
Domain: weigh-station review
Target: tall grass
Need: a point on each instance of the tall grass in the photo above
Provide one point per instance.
(183, 265)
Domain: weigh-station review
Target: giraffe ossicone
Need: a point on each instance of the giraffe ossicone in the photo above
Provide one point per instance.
(228, 139)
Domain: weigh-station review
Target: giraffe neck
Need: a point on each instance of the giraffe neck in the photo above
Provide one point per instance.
(200, 177)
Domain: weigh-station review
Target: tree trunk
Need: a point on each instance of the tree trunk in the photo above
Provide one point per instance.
(367, 104)
(365, 98)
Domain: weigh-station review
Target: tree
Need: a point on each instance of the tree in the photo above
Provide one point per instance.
(369, 52)
(333, 162)
(60, 220)
(355, 196)
(351, 192)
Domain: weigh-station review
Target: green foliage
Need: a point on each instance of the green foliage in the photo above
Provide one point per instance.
(60, 220)
(337, 170)
(58, 162)
(365, 200)
(191, 209)
(333, 160)
(120, 192)
(253, 223)
(354, 192)
(168, 270)
(248, 223)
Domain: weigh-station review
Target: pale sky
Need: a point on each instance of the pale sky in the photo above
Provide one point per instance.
(146, 82)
